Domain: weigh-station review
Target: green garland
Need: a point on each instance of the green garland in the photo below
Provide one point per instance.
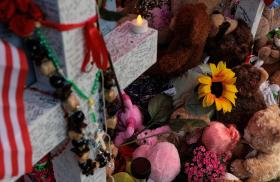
(75, 87)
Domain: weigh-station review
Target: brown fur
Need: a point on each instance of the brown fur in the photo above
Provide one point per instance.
(264, 47)
(273, 71)
(231, 48)
(275, 79)
(249, 99)
(263, 133)
(191, 29)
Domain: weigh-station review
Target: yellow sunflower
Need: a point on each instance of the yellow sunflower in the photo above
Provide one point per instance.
(219, 88)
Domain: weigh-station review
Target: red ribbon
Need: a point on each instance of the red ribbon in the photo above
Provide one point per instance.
(248, 58)
(95, 44)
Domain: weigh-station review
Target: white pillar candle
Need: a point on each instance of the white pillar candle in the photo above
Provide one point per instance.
(139, 25)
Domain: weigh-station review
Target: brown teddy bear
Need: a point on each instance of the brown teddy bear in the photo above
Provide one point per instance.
(263, 134)
(182, 41)
(270, 54)
(230, 41)
(191, 28)
(249, 98)
(160, 13)
(261, 38)
(269, 49)
(272, 15)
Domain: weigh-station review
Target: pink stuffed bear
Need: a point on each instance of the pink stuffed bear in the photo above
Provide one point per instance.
(220, 139)
(129, 121)
(164, 159)
(152, 140)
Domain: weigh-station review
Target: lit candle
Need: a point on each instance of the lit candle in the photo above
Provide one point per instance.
(139, 25)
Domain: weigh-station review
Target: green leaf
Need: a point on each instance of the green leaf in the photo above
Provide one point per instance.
(205, 68)
(178, 124)
(194, 105)
(160, 108)
(185, 84)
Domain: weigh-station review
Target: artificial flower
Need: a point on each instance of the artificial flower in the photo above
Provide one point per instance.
(35, 12)
(7, 10)
(20, 15)
(218, 88)
(205, 166)
(22, 25)
(23, 5)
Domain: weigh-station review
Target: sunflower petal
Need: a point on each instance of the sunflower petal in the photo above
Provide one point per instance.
(214, 69)
(204, 80)
(218, 103)
(226, 74)
(200, 95)
(208, 100)
(202, 89)
(204, 102)
(211, 99)
(218, 78)
(227, 107)
(230, 81)
(230, 88)
(229, 96)
(221, 66)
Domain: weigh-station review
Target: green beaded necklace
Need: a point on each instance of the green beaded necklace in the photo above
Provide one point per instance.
(79, 92)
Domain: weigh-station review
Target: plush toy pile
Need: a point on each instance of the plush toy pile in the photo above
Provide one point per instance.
(219, 119)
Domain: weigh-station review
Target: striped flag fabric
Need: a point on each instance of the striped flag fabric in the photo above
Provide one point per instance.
(15, 146)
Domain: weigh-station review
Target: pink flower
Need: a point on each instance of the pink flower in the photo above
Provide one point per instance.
(161, 17)
(205, 165)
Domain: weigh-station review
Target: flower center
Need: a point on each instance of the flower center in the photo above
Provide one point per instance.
(217, 89)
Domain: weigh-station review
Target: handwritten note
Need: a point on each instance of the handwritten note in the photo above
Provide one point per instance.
(69, 46)
(131, 53)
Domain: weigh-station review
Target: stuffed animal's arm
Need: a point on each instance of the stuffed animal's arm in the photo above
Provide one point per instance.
(130, 127)
(263, 168)
(122, 136)
(260, 168)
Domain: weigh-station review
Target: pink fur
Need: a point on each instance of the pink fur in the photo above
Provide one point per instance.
(152, 140)
(219, 138)
(164, 159)
(129, 121)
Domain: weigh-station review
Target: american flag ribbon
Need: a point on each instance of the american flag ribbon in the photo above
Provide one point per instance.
(15, 145)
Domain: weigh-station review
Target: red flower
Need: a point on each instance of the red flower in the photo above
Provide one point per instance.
(35, 11)
(23, 5)
(268, 2)
(7, 10)
(30, 8)
(22, 25)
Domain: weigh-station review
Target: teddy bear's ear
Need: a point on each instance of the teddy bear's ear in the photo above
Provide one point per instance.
(233, 25)
(222, 30)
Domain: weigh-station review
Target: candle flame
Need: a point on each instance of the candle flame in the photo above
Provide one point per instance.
(139, 20)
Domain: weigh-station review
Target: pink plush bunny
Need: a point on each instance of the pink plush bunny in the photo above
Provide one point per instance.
(129, 121)
(152, 140)
(220, 139)
(164, 159)
(163, 156)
